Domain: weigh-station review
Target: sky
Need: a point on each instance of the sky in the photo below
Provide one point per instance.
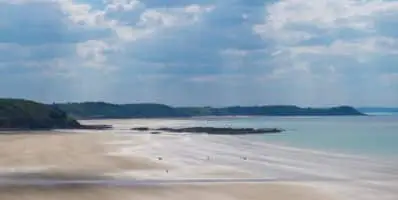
(201, 52)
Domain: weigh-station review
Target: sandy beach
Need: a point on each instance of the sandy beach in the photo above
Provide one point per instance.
(175, 192)
(64, 151)
(81, 155)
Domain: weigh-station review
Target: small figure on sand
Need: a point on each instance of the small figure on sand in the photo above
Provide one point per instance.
(244, 158)
(208, 157)
(160, 158)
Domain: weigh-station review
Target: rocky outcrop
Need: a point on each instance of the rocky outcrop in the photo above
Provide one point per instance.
(212, 130)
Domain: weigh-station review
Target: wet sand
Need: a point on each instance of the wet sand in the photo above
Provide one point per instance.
(174, 192)
(73, 156)
(65, 152)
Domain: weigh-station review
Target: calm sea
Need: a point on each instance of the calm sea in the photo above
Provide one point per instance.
(369, 135)
(355, 158)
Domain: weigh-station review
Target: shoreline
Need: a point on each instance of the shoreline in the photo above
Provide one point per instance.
(70, 156)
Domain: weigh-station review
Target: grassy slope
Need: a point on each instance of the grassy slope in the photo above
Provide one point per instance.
(21, 114)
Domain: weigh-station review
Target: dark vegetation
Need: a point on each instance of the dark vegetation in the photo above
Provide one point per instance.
(24, 114)
(17, 114)
(95, 110)
(98, 110)
(269, 111)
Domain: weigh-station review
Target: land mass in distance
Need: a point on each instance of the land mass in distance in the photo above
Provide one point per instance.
(26, 114)
(100, 110)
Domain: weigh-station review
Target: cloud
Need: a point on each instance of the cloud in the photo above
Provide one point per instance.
(200, 52)
(39, 22)
(365, 47)
(121, 5)
(93, 52)
(292, 21)
(338, 44)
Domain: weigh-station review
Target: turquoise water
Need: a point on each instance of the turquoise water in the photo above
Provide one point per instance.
(334, 165)
(367, 135)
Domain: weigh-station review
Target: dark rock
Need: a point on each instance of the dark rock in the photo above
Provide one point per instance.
(96, 127)
(140, 129)
(213, 130)
(221, 131)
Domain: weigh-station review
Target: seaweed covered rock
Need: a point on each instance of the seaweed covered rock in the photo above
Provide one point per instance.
(213, 130)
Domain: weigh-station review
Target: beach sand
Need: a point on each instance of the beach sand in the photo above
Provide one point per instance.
(174, 192)
(77, 155)
(65, 152)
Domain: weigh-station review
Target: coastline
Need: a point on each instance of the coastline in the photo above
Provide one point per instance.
(64, 155)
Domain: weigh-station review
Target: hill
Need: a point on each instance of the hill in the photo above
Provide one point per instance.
(106, 110)
(95, 110)
(24, 114)
(271, 111)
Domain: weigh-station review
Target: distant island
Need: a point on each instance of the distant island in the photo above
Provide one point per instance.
(102, 110)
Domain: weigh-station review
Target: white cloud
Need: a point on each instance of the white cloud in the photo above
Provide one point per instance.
(197, 9)
(359, 47)
(154, 18)
(25, 1)
(84, 14)
(312, 32)
(121, 5)
(333, 44)
(151, 20)
(168, 17)
(234, 52)
(304, 52)
(285, 17)
(93, 52)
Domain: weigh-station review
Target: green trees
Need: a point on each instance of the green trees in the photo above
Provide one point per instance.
(25, 114)
(106, 110)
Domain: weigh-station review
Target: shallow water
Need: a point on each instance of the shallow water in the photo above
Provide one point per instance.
(369, 135)
(352, 157)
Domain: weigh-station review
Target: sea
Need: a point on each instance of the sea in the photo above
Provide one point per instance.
(361, 135)
(351, 157)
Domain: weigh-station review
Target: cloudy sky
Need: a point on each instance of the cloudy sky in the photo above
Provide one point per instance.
(201, 52)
